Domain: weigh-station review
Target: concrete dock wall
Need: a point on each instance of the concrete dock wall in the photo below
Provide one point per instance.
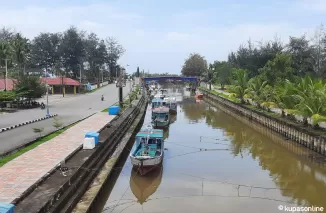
(293, 132)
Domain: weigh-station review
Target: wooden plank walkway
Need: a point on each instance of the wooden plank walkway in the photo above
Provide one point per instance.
(19, 174)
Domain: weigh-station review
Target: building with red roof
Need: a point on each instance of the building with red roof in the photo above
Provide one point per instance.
(62, 85)
(58, 85)
(10, 84)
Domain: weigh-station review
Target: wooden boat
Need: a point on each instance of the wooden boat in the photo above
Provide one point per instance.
(144, 186)
(157, 102)
(148, 151)
(199, 96)
(171, 102)
(164, 93)
(161, 116)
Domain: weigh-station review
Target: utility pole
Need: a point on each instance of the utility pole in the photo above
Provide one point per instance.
(6, 75)
(120, 85)
(47, 94)
(80, 74)
(129, 79)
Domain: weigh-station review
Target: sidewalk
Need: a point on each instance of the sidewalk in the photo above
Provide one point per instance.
(21, 173)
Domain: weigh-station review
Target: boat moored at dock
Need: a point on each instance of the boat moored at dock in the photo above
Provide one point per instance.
(161, 116)
(170, 102)
(148, 151)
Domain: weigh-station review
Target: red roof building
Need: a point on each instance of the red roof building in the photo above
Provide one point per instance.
(10, 84)
(58, 81)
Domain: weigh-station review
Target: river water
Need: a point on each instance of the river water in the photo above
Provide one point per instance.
(217, 162)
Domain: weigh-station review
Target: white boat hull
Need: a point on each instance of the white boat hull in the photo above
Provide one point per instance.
(135, 161)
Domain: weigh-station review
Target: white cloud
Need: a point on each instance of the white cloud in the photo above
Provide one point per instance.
(159, 49)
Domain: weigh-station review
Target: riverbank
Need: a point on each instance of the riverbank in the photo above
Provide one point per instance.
(308, 137)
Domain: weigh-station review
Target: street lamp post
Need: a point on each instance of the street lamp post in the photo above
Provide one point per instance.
(47, 94)
(129, 80)
(80, 74)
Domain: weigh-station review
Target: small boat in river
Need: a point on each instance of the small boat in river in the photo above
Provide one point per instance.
(199, 96)
(148, 151)
(161, 116)
(157, 102)
(171, 102)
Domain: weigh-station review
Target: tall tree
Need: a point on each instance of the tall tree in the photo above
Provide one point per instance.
(21, 51)
(302, 60)
(6, 34)
(278, 69)
(137, 72)
(72, 50)
(194, 65)
(5, 51)
(223, 72)
(95, 54)
(252, 58)
(114, 51)
(45, 51)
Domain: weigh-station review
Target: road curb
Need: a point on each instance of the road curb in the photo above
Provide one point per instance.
(27, 122)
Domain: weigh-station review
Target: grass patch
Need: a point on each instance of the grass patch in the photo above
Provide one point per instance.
(39, 141)
(273, 114)
(230, 98)
(127, 100)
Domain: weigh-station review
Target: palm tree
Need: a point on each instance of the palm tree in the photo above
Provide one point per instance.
(311, 96)
(20, 50)
(240, 85)
(5, 51)
(283, 97)
(256, 90)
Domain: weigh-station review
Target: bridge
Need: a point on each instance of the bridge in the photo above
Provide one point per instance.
(171, 78)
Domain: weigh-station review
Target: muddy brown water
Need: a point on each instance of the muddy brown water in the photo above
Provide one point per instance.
(214, 162)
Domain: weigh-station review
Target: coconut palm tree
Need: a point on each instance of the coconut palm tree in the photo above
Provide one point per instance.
(256, 91)
(5, 51)
(283, 97)
(311, 95)
(20, 51)
(240, 85)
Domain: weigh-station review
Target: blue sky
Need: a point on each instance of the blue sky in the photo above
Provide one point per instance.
(159, 35)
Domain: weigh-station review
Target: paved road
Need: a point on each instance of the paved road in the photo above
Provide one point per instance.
(69, 110)
(71, 104)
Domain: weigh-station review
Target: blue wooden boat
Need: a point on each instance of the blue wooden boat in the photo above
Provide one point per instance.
(157, 102)
(161, 116)
(170, 102)
(148, 151)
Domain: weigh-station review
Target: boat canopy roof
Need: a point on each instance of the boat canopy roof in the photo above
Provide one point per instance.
(161, 110)
(153, 133)
(170, 99)
(157, 100)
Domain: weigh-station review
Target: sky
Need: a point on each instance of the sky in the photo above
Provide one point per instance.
(159, 35)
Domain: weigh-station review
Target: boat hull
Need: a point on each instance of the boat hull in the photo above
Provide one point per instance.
(199, 96)
(173, 110)
(144, 166)
(161, 123)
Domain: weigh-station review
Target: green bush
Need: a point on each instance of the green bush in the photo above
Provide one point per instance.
(7, 96)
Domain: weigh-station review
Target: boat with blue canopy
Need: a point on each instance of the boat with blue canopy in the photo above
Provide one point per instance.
(161, 116)
(157, 102)
(148, 151)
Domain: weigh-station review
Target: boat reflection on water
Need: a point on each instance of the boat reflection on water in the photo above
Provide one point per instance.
(173, 118)
(144, 186)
